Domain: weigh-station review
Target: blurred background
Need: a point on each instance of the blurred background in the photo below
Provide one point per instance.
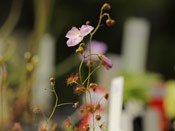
(141, 45)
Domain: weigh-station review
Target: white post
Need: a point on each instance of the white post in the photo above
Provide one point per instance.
(41, 96)
(115, 104)
(135, 41)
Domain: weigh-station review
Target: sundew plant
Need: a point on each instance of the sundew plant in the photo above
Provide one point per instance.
(81, 85)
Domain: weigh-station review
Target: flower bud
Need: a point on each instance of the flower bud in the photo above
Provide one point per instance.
(75, 104)
(30, 67)
(27, 55)
(35, 60)
(90, 63)
(106, 6)
(97, 106)
(79, 89)
(106, 62)
(52, 79)
(80, 50)
(98, 117)
(101, 126)
(106, 96)
(93, 86)
(90, 109)
(81, 110)
(110, 22)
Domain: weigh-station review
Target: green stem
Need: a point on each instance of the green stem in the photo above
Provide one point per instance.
(80, 70)
(65, 104)
(56, 103)
(91, 74)
(77, 83)
(93, 119)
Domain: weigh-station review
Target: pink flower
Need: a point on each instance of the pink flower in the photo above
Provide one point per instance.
(76, 36)
(106, 62)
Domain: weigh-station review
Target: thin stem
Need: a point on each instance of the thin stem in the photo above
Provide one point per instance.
(91, 74)
(99, 22)
(77, 83)
(54, 106)
(90, 55)
(65, 104)
(80, 70)
(49, 89)
(93, 119)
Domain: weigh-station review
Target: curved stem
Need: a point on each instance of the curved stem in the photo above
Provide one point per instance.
(56, 103)
(91, 74)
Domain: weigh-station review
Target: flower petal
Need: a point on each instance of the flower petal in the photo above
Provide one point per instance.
(106, 62)
(72, 33)
(75, 41)
(85, 29)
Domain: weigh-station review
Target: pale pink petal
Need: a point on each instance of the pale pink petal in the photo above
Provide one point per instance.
(74, 42)
(85, 29)
(106, 62)
(72, 33)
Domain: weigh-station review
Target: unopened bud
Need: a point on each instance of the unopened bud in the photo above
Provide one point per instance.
(27, 55)
(52, 81)
(75, 104)
(90, 63)
(110, 22)
(93, 86)
(35, 60)
(106, 96)
(98, 117)
(80, 50)
(97, 106)
(30, 67)
(106, 6)
(101, 126)
(90, 109)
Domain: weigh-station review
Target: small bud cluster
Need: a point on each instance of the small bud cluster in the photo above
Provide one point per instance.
(31, 61)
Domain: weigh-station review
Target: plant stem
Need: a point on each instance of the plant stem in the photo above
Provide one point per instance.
(65, 104)
(91, 74)
(80, 70)
(56, 103)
